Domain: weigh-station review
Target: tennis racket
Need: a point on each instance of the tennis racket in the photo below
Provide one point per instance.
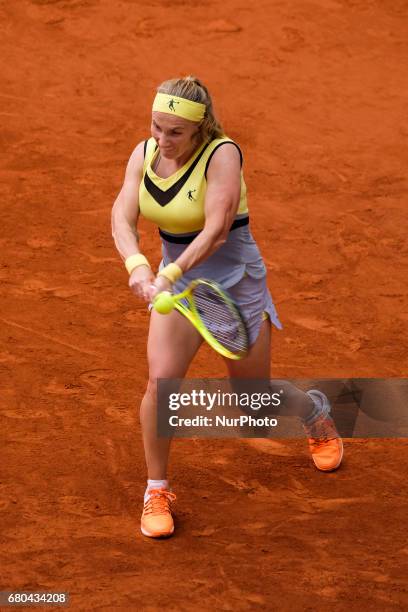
(213, 313)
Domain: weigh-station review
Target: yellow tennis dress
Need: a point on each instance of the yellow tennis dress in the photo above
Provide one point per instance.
(176, 205)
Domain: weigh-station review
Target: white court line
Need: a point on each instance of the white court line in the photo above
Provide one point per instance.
(12, 97)
(66, 344)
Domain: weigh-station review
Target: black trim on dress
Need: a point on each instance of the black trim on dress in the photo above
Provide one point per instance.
(187, 239)
(164, 197)
(214, 150)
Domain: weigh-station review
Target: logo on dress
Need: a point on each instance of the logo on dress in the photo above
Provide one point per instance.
(190, 194)
(171, 104)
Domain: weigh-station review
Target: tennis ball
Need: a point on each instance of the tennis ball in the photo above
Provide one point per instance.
(164, 302)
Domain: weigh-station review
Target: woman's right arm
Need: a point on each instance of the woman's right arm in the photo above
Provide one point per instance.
(125, 213)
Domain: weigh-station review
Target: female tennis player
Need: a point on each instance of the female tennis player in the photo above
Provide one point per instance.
(187, 179)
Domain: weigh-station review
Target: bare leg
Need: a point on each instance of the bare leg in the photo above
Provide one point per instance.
(258, 365)
(171, 346)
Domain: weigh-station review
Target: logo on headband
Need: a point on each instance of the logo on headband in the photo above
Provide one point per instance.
(171, 104)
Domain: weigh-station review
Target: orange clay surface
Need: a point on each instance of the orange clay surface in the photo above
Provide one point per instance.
(315, 93)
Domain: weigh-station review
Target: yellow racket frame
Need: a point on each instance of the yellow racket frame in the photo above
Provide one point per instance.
(193, 316)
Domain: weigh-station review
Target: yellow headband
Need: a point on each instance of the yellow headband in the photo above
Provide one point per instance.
(194, 111)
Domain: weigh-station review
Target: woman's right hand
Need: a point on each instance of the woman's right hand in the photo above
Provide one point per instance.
(140, 282)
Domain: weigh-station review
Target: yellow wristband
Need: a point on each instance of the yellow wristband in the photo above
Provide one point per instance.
(135, 261)
(172, 272)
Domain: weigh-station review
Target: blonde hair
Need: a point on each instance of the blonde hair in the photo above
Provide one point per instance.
(191, 88)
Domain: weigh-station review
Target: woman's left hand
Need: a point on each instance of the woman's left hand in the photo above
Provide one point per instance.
(160, 284)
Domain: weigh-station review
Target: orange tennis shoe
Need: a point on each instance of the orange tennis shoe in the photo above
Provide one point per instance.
(157, 520)
(325, 443)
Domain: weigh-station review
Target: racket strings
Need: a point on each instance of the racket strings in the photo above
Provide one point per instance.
(227, 332)
(221, 319)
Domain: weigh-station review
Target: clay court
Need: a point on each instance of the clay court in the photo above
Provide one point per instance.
(314, 91)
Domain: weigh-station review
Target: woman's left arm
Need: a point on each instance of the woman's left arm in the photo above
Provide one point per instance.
(221, 205)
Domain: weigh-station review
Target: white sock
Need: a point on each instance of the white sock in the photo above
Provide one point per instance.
(155, 484)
